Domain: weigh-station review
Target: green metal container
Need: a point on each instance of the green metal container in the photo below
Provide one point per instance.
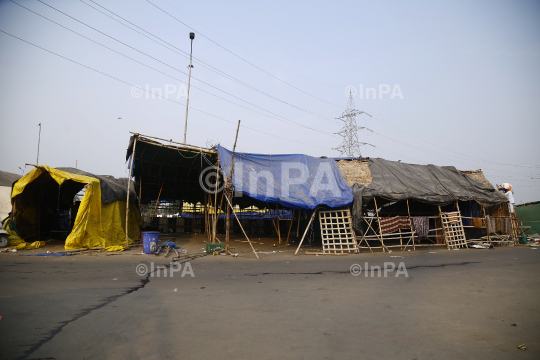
(210, 248)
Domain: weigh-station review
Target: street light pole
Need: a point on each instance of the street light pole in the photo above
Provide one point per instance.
(191, 36)
(39, 139)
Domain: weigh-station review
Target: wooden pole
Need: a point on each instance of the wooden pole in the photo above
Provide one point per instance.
(298, 225)
(239, 223)
(486, 220)
(410, 222)
(39, 215)
(277, 222)
(379, 223)
(207, 231)
(157, 201)
(128, 187)
(228, 195)
(216, 214)
(140, 191)
(290, 227)
(305, 232)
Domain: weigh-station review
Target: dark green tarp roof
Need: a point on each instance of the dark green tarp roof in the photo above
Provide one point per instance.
(173, 170)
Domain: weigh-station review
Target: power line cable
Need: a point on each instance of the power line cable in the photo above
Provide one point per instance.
(471, 157)
(253, 53)
(150, 92)
(277, 117)
(241, 58)
(197, 60)
(172, 67)
(496, 163)
(436, 154)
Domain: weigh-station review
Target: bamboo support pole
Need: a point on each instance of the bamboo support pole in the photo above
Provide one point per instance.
(290, 227)
(277, 224)
(157, 201)
(486, 220)
(298, 225)
(274, 223)
(228, 195)
(365, 236)
(305, 232)
(140, 191)
(216, 214)
(239, 223)
(411, 224)
(39, 216)
(128, 188)
(379, 223)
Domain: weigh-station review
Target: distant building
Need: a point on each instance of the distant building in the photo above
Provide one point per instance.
(6, 181)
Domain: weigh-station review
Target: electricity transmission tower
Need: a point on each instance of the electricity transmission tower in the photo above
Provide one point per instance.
(350, 146)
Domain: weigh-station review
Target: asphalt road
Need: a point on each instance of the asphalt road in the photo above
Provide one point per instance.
(453, 305)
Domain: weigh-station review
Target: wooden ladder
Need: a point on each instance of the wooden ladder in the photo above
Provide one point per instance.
(337, 233)
(454, 233)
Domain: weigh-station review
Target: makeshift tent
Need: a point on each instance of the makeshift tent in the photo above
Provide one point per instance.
(294, 181)
(429, 184)
(437, 200)
(168, 172)
(100, 220)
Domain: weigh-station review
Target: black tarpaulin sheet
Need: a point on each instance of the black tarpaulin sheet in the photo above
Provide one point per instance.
(112, 189)
(169, 172)
(429, 184)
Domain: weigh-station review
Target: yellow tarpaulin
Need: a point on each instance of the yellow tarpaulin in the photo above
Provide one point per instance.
(16, 242)
(96, 224)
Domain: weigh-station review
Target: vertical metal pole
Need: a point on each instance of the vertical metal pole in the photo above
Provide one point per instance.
(129, 185)
(188, 85)
(39, 139)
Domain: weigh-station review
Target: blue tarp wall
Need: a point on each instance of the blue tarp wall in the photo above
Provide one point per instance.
(294, 181)
(251, 215)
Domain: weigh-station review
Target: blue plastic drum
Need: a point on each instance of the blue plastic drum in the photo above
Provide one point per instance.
(150, 241)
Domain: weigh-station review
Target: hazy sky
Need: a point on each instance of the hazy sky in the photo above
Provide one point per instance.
(465, 77)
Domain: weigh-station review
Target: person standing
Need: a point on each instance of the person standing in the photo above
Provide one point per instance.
(507, 190)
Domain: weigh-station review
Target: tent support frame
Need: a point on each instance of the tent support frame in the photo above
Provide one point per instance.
(129, 185)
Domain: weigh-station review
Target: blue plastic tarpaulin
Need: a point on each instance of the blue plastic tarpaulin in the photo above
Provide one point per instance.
(294, 181)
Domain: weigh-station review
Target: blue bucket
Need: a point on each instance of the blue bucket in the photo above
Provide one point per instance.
(150, 241)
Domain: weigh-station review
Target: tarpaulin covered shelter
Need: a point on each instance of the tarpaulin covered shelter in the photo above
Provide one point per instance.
(427, 201)
(100, 220)
(168, 172)
(430, 184)
(294, 181)
(171, 172)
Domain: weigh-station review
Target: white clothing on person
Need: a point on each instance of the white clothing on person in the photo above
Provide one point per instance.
(510, 198)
